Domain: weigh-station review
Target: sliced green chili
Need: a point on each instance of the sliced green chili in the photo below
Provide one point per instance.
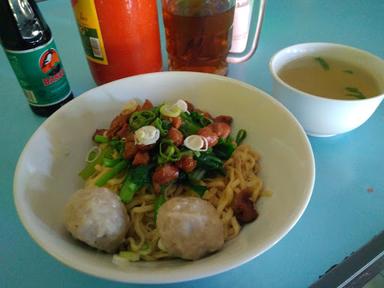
(141, 118)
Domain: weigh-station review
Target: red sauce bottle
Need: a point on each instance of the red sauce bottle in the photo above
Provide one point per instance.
(120, 37)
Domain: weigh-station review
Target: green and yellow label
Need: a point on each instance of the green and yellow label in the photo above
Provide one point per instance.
(40, 74)
(89, 28)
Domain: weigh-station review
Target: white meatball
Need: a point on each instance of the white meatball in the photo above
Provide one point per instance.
(97, 217)
(189, 227)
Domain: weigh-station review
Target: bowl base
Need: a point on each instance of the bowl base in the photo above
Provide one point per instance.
(320, 135)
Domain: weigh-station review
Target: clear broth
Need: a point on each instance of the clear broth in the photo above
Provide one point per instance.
(329, 78)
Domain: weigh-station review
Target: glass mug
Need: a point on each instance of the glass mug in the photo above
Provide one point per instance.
(198, 35)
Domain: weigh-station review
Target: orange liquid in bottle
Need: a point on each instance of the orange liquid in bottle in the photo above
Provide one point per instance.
(130, 32)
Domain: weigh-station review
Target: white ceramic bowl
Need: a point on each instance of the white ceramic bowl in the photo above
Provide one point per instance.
(323, 116)
(47, 171)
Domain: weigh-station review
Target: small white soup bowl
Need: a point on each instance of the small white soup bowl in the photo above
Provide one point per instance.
(322, 116)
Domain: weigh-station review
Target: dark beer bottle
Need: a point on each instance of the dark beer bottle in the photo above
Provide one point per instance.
(31, 51)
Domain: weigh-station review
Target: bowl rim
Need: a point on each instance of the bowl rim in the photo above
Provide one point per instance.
(217, 269)
(331, 45)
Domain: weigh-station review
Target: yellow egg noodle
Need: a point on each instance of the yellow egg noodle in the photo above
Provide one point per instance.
(242, 170)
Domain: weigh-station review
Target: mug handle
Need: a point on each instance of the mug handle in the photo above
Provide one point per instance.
(244, 56)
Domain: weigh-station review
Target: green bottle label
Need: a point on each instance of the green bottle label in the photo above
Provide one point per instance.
(40, 74)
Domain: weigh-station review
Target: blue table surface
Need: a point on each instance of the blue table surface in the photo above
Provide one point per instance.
(346, 209)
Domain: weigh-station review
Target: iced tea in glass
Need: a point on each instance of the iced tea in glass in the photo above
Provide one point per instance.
(199, 34)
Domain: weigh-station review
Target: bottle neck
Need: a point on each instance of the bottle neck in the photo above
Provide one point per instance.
(24, 26)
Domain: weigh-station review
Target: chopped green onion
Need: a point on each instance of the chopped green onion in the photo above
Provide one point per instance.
(196, 174)
(145, 249)
(192, 122)
(323, 63)
(92, 154)
(101, 139)
(128, 190)
(108, 162)
(200, 118)
(355, 92)
(198, 189)
(111, 173)
(186, 153)
(197, 153)
(130, 256)
(209, 161)
(162, 125)
(135, 180)
(240, 136)
(118, 145)
(188, 127)
(89, 169)
(211, 164)
(348, 71)
(163, 187)
(160, 200)
(224, 148)
(192, 180)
